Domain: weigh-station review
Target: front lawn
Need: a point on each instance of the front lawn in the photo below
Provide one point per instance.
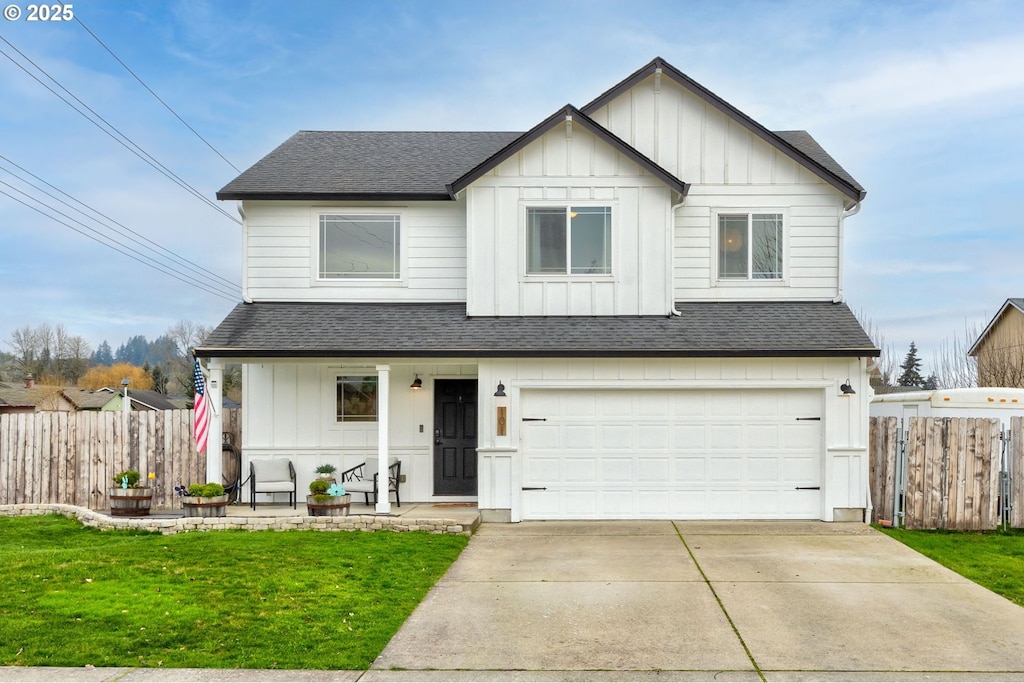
(993, 559)
(75, 596)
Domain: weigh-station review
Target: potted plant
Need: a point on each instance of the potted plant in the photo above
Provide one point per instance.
(204, 500)
(327, 500)
(128, 498)
(326, 472)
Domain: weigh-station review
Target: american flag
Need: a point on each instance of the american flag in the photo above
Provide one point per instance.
(201, 423)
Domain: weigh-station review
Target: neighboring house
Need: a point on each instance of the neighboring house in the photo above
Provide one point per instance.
(632, 310)
(88, 399)
(31, 397)
(141, 399)
(1000, 348)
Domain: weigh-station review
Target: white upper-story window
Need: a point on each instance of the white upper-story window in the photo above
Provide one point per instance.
(572, 240)
(750, 246)
(360, 246)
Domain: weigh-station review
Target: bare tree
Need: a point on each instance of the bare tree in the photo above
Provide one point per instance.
(186, 336)
(883, 380)
(954, 369)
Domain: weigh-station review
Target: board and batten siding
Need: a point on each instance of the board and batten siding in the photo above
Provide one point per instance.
(281, 242)
(730, 169)
(566, 168)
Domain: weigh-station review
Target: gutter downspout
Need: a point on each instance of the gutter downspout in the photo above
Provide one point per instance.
(245, 255)
(852, 211)
(670, 258)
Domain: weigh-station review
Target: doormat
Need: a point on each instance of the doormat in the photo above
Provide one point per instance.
(454, 505)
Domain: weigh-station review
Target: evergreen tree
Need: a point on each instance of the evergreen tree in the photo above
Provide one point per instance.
(103, 354)
(911, 367)
(932, 382)
(159, 379)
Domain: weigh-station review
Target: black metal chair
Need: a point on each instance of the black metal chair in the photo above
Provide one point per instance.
(272, 476)
(364, 479)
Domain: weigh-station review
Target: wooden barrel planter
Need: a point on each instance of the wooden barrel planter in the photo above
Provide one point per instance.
(205, 506)
(130, 502)
(333, 506)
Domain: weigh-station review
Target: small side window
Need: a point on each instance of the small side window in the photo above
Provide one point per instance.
(357, 399)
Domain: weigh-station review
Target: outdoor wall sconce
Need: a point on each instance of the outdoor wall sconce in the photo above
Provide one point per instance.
(846, 388)
(417, 384)
(502, 416)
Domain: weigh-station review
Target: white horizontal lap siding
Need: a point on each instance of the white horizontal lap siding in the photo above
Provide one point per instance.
(282, 243)
(707, 454)
(811, 250)
(556, 170)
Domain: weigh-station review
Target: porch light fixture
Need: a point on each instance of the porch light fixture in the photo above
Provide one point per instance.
(417, 384)
(500, 393)
(847, 388)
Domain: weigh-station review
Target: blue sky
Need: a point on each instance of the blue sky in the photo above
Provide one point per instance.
(923, 102)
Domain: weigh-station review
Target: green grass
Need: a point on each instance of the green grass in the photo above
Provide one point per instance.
(993, 559)
(75, 596)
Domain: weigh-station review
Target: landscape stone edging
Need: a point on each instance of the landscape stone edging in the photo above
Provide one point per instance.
(168, 526)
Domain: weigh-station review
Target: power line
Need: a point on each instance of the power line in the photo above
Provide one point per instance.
(190, 265)
(137, 151)
(151, 264)
(159, 99)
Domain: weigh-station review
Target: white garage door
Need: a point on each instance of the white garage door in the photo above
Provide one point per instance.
(653, 454)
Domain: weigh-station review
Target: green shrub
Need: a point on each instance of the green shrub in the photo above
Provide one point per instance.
(318, 487)
(133, 478)
(205, 490)
(326, 469)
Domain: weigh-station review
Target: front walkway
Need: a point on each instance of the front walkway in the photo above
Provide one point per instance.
(433, 518)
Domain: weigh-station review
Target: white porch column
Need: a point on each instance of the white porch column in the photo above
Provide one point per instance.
(214, 394)
(383, 415)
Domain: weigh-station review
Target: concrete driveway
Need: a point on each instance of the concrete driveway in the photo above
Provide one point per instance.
(742, 601)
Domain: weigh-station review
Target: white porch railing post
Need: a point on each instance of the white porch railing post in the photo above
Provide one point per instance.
(383, 414)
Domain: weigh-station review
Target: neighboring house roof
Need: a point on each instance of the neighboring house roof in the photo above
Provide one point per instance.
(88, 399)
(20, 396)
(798, 145)
(568, 113)
(346, 165)
(1017, 303)
(418, 166)
(444, 330)
(153, 400)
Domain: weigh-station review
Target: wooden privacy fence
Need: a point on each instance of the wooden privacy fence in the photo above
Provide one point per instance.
(71, 457)
(947, 473)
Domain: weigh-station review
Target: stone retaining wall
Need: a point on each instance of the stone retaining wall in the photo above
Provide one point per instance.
(184, 524)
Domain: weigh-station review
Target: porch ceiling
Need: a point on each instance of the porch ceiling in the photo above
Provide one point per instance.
(445, 331)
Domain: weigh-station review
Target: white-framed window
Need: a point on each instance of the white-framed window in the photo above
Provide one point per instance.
(750, 246)
(569, 240)
(357, 398)
(359, 246)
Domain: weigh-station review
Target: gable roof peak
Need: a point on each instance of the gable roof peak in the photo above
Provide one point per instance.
(831, 173)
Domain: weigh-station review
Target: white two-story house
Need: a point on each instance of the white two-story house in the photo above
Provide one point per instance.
(633, 310)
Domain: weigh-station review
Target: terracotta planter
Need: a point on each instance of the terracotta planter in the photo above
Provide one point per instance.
(130, 502)
(205, 506)
(334, 506)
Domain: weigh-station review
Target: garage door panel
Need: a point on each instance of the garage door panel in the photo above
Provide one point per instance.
(726, 454)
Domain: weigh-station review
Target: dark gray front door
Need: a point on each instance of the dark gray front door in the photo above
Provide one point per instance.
(455, 437)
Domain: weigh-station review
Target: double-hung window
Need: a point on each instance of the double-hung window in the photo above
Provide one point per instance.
(569, 240)
(357, 399)
(750, 246)
(356, 246)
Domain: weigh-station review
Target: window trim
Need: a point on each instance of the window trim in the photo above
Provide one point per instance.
(317, 213)
(567, 205)
(749, 281)
(339, 378)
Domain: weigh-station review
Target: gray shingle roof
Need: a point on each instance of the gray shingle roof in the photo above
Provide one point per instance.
(802, 141)
(444, 330)
(365, 165)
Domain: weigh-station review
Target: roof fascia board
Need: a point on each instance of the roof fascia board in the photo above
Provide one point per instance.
(973, 351)
(336, 196)
(577, 116)
(223, 352)
(714, 100)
